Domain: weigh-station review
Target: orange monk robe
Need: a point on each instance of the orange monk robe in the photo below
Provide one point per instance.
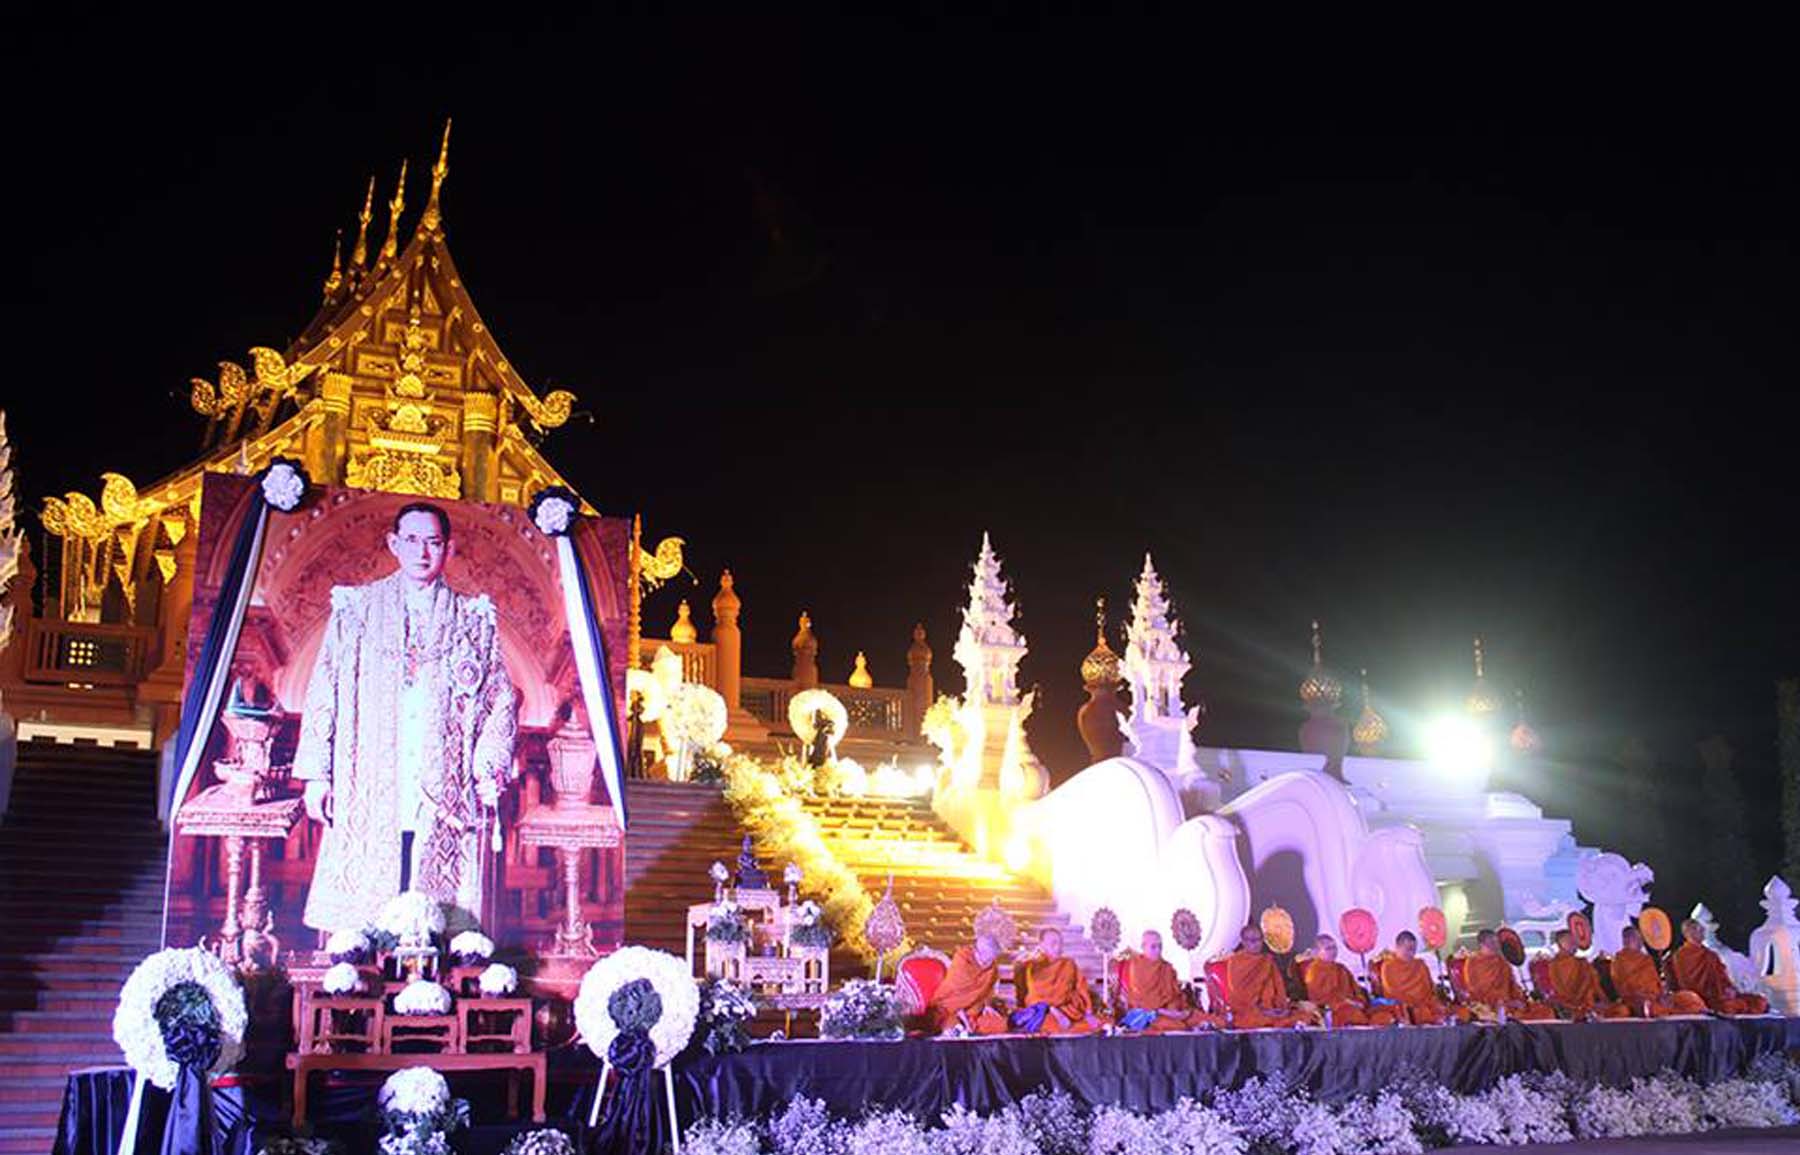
(1575, 988)
(1635, 978)
(966, 989)
(1491, 983)
(1331, 987)
(1408, 982)
(1057, 982)
(1698, 969)
(1257, 995)
(1151, 985)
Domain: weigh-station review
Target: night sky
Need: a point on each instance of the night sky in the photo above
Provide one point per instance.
(1423, 356)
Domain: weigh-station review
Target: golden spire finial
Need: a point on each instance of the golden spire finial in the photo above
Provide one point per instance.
(391, 245)
(359, 256)
(1100, 619)
(1479, 672)
(1371, 728)
(1320, 688)
(432, 219)
(1101, 667)
(1318, 640)
(1481, 701)
(335, 281)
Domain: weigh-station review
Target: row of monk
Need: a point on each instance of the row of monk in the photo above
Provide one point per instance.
(1247, 988)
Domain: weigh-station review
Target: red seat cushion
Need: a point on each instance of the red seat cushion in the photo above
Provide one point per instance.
(1218, 983)
(918, 981)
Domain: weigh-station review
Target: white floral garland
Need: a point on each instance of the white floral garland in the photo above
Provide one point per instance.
(422, 998)
(412, 917)
(134, 1021)
(671, 978)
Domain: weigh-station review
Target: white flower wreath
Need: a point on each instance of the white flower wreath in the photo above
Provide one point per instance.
(472, 944)
(804, 705)
(415, 1091)
(668, 975)
(283, 486)
(553, 515)
(340, 979)
(498, 981)
(135, 1028)
(696, 714)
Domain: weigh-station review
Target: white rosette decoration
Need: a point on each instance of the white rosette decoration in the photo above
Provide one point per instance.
(553, 511)
(805, 705)
(415, 1091)
(668, 975)
(348, 945)
(696, 717)
(422, 998)
(471, 947)
(284, 484)
(139, 1035)
(498, 981)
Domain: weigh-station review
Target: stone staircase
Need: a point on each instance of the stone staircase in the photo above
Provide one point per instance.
(679, 829)
(81, 874)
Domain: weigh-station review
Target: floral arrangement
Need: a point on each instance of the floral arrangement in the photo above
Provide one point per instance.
(181, 1008)
(497, 981)
(695, 715)
(471, 947)
(1269, 1117)
(810, 930)
(544, 1141)
(422, 998)
(725, 1009)
(418, 1112)
(553, 509)
(785, 829)
(341, 979)
(663, 1001)
(300, 1145)
(727, 923)
(807, 705)
(349, 946)
(412, 918)
(862, 1009)
(284, 484)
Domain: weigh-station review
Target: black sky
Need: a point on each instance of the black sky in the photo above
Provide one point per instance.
(1420, 355)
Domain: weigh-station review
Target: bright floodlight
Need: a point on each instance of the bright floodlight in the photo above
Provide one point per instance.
(1458, 743)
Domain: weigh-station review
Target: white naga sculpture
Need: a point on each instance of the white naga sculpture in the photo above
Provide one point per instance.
(1775, 948)
(1619, 891)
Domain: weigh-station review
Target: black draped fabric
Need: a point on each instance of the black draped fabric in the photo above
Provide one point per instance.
(96, 1100)
(634, 1119)
(927, 1076)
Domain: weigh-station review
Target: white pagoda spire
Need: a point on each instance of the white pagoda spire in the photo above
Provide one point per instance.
(988, 648)
(1154, 661)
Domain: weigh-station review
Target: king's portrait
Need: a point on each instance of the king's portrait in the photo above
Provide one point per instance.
(406, 736)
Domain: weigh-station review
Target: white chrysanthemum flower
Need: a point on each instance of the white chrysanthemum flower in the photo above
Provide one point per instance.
(345, 944)
(472, 944)
(671, 977)
(412, 916)
(499, 980)
(553, 516)
(341, 979)
(415, 1091)
(139, 1035)
(422, 998)
(283, 487)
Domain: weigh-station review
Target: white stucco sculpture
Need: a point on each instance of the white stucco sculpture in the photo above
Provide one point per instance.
(1775, 948)
(1618, 889)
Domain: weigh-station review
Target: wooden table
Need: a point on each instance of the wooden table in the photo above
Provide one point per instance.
(304, 1065)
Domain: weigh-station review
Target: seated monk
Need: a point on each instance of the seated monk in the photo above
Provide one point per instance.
(1575, 985)
(1053, 997)
(1256, 995)
(1153, 998)
(1494, 987)
(1640, 986)
(1331, 987)
(961, 1001)
(1407, 980)
(1696, 967)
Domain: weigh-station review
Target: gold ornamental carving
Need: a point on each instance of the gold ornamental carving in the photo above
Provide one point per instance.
(403, 472)
(550, 413)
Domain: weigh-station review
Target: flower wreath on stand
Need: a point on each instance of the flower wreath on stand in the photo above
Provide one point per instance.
(636, 1010)
(181, 1016)
(419, 1114)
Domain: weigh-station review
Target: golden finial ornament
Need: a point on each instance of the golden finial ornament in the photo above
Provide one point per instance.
(433, 219)
(1101, 666)
(1371, 729)
(391, 245)
(683, 631)
(1481, 701)
(1523, 739)
(860, 678)
(359, 256)
(335, 281)
(1320, 688)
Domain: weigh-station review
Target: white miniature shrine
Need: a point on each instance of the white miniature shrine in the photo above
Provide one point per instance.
(759, 936)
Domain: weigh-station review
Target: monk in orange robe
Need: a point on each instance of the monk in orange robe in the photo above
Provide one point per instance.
(1055, 998)
(1257, 996)
(1493, 985)
(1406, 979)
(1575, 984)
(961, 1001)
(1331, 987)
(1151, 989)
(1697, 968)
(1640, 986)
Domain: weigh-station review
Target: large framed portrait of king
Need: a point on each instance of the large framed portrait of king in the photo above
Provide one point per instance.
(404, 712)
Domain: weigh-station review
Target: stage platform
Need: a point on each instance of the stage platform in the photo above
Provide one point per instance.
(926, 1076)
